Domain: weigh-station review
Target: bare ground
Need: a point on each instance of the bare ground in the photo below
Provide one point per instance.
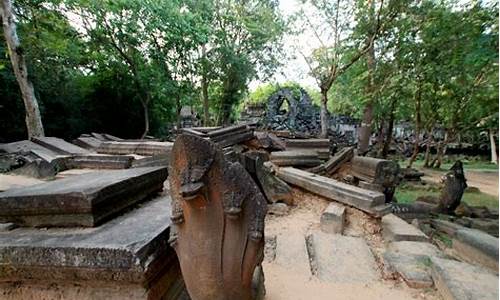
(283, 283)
(486, 182)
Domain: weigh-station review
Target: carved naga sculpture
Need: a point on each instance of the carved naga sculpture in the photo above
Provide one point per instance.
(218, 222)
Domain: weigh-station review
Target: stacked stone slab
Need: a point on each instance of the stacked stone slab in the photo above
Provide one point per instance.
(296, 158)
(368, 201)
(461, 281)
(59, 145)
(321, 146)
(84, 200)
(125, 258)
(228, 136)
(146, 148)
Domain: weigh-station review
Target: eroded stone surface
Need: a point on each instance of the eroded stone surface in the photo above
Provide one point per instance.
(83, 200)
(396, 229)
(462, 281)
(342, 259)
(333, 218)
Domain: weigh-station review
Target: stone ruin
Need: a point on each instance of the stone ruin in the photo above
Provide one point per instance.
(123, 226)
(287, 111)
(300, 116)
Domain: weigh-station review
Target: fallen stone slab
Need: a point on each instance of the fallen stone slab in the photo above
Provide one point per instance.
(447, 227)
(291, 252)
(306, 158)
(413, 269)
(82, 200)
(151, 161)
(7, 226)
(89, 143)
(333, 219)
(477, 247)
(233, 138)
(59, 146)
(342, 259)
(99, 161)
(307, 143)
(368, 201)
(218, 133)
(37, 168)
(24, 147)
(340, 158)
(461, 281)
(125, 258)
(278, 209)
(415, 248)
(274, 188)
(374, 170)
(146, 148)
(396, 229)
(270, 141)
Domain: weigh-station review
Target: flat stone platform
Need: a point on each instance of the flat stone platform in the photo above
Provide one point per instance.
(82, 200)
(125, 258)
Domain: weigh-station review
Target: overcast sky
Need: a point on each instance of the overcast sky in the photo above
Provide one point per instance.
(294, 69)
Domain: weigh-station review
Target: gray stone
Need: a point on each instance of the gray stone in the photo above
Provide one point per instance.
(333, 218)
(342, 259)
(146, 148)
(478, 247)
(413, 269)
(82, 200)
(368, 201)
(90, 143)
(279, 209)
(396, 229)
(99, 161)
(7, 226)
(291, 252)
(125, 258)
(461, 281)
(414, 248)
(59, 145)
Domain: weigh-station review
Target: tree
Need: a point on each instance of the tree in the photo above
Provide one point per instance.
(33, 117)
(338, 52)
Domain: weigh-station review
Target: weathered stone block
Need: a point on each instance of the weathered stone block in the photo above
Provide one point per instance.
(461, 281)
(125, 258)
(82, 200)
(333, 218)
(342, 259)
(396, 229)
(478, 247)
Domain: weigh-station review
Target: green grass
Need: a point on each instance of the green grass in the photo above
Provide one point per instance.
(408, 194)
(473, 165)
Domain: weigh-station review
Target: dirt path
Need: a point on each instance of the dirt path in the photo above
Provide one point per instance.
(486, 182)
(283, 283)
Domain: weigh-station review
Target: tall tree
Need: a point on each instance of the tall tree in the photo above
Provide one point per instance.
(16, 53)
(337, 52)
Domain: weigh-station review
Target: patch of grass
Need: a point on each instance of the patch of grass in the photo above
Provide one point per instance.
(472, 165)
(408, 194)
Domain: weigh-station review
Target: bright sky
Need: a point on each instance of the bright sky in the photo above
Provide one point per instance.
(295, 67)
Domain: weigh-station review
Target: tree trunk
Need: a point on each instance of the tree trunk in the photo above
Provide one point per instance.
(365, 129)
(441, 151)
(33, 119)
(380, 137)
(417, 127)
(427, 155)
(494, 155)
(178, 111)
(390, 127)
(324, 114)
(204, 91)
(146, 118)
